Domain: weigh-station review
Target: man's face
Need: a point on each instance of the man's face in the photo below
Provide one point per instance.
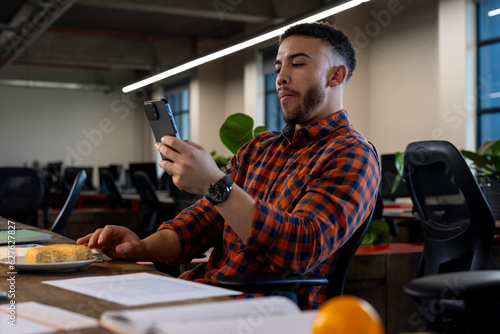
(303, 65)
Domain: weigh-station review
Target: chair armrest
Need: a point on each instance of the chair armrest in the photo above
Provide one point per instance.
(267, 281)
(460, 285)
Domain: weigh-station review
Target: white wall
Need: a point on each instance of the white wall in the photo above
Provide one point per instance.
(410, 81)
(81, 128)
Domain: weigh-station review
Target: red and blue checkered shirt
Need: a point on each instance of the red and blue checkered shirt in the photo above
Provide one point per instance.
(314, 187)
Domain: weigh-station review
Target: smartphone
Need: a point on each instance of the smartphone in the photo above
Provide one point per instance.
(161, 119)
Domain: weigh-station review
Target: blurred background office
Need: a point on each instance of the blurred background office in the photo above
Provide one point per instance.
(426, 70)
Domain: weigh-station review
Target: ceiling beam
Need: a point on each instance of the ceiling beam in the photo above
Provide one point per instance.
(78, 48)
(29, 23)
(216, 10)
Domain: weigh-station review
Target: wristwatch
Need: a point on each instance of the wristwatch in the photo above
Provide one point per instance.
(218, 191)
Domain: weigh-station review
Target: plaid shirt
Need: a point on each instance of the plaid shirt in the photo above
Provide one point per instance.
(314, 187)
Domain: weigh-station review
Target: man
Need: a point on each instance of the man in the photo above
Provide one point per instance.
(297, 194)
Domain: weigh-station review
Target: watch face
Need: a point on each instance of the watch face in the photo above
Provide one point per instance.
(218, 191)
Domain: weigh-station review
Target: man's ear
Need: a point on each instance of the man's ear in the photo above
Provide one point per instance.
(337, 76)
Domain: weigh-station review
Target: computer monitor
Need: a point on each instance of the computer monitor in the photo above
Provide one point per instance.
(389, 173)
(148, 167)
(70, 174)
(115, 170)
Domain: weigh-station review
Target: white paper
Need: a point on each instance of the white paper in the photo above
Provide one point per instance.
(33, 317)
(247, 310)
(140, 289)
(256, 324)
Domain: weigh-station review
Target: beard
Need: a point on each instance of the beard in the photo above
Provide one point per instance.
(313, 97)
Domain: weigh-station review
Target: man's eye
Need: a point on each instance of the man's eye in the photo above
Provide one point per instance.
(298, 64)
(277, 70)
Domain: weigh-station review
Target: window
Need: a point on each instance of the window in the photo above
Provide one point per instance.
(272, 109)
(488, 70)
(178, 98)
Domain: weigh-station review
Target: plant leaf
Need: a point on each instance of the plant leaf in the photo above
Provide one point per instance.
(258, 130)
(399, 162)
(377, 232)
(476, 158)
(236, 131)
(489, 147)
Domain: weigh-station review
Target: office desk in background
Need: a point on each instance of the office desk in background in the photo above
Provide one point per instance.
(98, 199)
(91, 213)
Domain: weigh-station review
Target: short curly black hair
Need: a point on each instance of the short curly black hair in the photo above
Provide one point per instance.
(336, 38)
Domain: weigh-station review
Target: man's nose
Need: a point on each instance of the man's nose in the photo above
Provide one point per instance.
(282, 79)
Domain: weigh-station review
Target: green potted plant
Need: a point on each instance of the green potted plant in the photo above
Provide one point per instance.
(237, 130)
(486, 161)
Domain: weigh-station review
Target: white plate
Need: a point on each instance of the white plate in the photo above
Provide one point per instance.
(21, 264)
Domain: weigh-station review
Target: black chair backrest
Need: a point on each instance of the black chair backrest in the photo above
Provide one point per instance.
(112, 191)
(21, 193)
(61, 221)
(457, 222)
(182, 199)
(56, 170)
(150, 205)
(345, 254)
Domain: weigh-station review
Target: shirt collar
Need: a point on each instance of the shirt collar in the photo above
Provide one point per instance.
(319, 129)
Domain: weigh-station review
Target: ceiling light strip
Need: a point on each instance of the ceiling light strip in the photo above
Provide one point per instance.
(240, 46)
(494, 12)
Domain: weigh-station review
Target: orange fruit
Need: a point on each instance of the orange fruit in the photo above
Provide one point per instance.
(347, 315)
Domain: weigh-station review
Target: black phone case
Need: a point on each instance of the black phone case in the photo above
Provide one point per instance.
(161, 119)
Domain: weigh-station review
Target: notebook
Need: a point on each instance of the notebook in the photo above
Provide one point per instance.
(21, 236)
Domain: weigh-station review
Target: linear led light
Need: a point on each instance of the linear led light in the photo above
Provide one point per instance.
(240, 46)
(494, 12)
(57, 85)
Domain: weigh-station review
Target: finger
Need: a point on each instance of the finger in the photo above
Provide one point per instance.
(105, 234)
(192, 143)
(123, 248)
(130, 250)
(167, 151)
(175, 143)
(92, 242)
(84, 240)
(168, 166)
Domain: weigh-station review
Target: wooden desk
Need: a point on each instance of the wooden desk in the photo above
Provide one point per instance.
(163, 196)
(30, 288)
(378, 273)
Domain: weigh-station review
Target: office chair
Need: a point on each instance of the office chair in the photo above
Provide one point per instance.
(457, 223)
(55, 169)
(288, 284)
(113, 193)
(61, 221)
(477, 290)
(150, 205)
(182, 199)
(21, 193)
(378, 214)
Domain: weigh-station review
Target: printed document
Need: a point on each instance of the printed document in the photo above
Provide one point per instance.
(251, 315)
(33, 317)
(140, 289)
